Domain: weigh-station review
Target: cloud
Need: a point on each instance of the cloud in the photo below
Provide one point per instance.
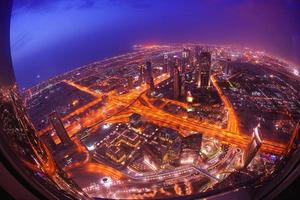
(137, 4)
(52, 4)
(32, 4)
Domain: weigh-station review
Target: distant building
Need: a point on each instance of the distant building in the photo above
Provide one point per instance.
(171, 67)
(203, 69)
(189, 100)
(149, 74)
(178, 63)
(129, 82)
(197, 51)
(135, 120)
(191, 145)
(173, 153)
(165, 63)
(226, 68)
(192, 142)
(252, 148)
(186, 54)
(48, 140)
(168, 135)
(152, 158)
(186, 57)
(59, 128)
(182, 86)
(176, 84)
(142, 73)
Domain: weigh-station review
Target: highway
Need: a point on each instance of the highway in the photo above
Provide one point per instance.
(128, 102)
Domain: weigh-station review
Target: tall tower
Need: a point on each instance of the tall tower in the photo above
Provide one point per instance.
(182, 86)
(176, 83)
(252, 148)
(227, 67)
(142, 73)
(197, 51)
(150, 75)
(171, 67)
(203, 71)
(129, 82)
(186, 53)
(165, 63)
(59, 128)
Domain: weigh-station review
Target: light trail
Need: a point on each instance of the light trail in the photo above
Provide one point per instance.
(102, 170)
(232, 119)
(83, 88)
(80, 149)
(119, 103)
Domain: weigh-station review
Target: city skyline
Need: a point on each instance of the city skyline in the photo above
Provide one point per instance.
(41, 31)
(169, 120)
(150, 99)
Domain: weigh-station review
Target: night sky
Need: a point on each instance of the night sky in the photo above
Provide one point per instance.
(49, 37)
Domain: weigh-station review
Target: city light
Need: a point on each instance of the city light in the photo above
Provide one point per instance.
(188, 160)
(91, 148)
(256, 132)
(106, 126)
(296, 72)
(106, 181)
(160, 125)
(150, 164)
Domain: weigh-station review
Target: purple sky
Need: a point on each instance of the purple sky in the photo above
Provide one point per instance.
(49, 37)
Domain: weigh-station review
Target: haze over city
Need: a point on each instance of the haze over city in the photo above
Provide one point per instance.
(51, 37)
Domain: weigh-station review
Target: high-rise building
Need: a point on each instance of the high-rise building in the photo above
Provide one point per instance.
(203, 69)
(227, 67)
(189, 100)
(252, 148)
(129, 82)
(197, 51)
(182, 85)
(173, 153)
(186, 55)
(149, 73)
(135, 120)
(191, 146)
(178, 63)
(59, 128)
(142, 73)
(48, 140)
(192, 142)
(152, 158)
(171, 67)
(165, 63)
(176, 83)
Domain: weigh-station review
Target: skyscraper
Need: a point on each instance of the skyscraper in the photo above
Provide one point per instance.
(171, 67)
(59, 128)
(176, 83)
(165, 63)
(227, 67)
(150, 80)
(182, 85)
(203, 69)
(186, 53)
(142, 73)
(252, 148)
(197, 51)
(129, 82)
(48, 140)
(189, 100)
